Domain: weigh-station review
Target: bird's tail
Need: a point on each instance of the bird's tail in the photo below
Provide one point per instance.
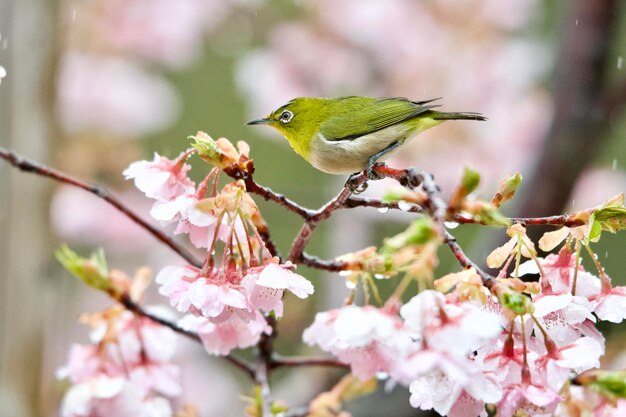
(457, 116)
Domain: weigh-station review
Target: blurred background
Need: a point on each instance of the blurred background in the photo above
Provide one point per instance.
(88, 86)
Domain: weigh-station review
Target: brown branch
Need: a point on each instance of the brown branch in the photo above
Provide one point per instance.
(27, 165)
(568, 220)
(330, 265)
(379, 204)
(263, 368)
(269, 195)
(293, 362)
(130, 305)
(488, 280)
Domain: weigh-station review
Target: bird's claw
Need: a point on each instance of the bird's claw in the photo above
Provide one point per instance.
(354, 185)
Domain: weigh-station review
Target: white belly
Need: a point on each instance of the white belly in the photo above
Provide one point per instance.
(350, 156)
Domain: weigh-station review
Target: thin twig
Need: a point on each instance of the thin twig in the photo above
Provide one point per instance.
(293, 362)
(330, 265)
(466, 262)
(263, 368)
(27, 165)
(269, 195)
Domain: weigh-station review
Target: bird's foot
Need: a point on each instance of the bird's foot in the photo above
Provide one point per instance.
(354, 184)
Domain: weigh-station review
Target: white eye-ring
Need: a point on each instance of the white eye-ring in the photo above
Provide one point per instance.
(286, 116)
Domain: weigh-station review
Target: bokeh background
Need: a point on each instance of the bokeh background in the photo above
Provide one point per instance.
(92, 85)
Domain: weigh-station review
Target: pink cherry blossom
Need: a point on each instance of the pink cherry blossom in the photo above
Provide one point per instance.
(445, 384)
(125, 371)
(559, 276)
(219, 338)
(447, 326)
(563, 316)
(535, 400)
(281, 277)
(367, 338)
(611, 306)
(261, 288)
(161, 179)
(104, 396)
(83, 362)
(200, 225)
(189, 291)
(557, 364)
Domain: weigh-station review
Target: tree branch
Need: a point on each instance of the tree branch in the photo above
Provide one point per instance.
(293, 362)
(27, 165)
(263, 368)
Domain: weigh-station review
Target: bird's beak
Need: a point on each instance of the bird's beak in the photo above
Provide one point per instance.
(264, 121)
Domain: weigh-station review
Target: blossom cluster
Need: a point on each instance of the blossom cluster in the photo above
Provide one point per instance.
(126, 370)
(517, 348)
(470, 347)
(225, 303)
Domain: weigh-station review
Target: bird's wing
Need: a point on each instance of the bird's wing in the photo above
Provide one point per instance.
(371, 116)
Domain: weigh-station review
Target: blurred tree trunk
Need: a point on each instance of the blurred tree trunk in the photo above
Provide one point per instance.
(25, 97)
(583, 104)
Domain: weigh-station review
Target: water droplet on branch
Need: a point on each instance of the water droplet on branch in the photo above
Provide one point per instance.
(451, 225)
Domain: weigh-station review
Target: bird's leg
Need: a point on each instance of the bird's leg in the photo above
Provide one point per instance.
(369, 171)
(371, 174)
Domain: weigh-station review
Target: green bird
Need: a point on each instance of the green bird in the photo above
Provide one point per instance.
(350, 134)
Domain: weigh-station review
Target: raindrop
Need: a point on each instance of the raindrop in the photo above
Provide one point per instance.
(383, 210)
(382, 376)
(451, 225)
(606, 254)
(379, 276)
(3, 73)
(620, 62)
(350, 285)
(405, 205)
(74, 15)
(344, 273)
(614, 167)
(576, 22)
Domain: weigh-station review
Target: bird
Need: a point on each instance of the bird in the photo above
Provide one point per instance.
(347, 135)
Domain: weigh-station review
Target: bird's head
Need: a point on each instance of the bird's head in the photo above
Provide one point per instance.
(298, 121)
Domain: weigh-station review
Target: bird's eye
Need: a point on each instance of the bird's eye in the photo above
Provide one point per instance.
(286, 116)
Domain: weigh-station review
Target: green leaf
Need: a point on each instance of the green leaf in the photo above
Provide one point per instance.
(611, 384)
(470, 180)
(419, 232)
(516, 302)
(92, 271)
(395, 194)
(610, 217)
(207, 148)
(490, 215)
(507, 189)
